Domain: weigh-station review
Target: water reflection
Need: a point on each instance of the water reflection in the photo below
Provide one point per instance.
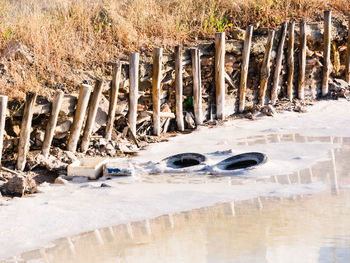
(292, 228)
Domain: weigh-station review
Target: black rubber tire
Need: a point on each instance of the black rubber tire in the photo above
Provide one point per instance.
(242, 161)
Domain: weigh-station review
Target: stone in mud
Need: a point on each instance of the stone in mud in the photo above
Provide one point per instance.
(18, 186)
(60, 180)
(269, 110)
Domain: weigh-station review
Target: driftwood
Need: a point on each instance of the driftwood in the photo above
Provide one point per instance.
(220, 74)
(91, 117)
(179, 89)
(133, 90)
(24, 136)
(276, 77)
(84, 95)
(244, 68)
(197, 86)
(3, 108)
(290, 60)
(51, 125)
(157, 75)
(327, 51)
(302, 60)
(117, 72)
(266, 68)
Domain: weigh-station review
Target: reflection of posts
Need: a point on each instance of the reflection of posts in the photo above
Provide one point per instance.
(171, 220)
(334, 181)
(148, 227)
(71, 246)
(129, 231)
(98, 237)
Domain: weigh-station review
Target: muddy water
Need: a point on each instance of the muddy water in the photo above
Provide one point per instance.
(285, 228)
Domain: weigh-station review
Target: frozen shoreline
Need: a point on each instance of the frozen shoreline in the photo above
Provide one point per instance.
(60, 211)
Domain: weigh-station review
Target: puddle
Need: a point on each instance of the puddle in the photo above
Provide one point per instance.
(281, 226)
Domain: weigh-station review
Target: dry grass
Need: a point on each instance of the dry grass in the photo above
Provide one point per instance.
(68, 37)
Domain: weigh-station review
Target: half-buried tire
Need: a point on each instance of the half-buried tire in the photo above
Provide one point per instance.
(240, 161)
(183, 162)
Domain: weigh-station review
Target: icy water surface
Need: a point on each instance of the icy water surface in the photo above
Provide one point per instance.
(288, 227)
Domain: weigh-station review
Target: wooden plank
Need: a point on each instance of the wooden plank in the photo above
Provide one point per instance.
(220, 74)
(24, 136)
(266, 68)
(327, 36)
(80, 111)
(91, 117)
(302, 60)
(276, 77)
(197, 86)
(347, 66)
(156, 79)
(245, 67)
(3, 108)
(290, 60)
(117, 72)
(179, 88)
(51, 125)
(133, 90)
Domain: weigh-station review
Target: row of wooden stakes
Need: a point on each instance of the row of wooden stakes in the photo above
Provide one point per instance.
(85, 90)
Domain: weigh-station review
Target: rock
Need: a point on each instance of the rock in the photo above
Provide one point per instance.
(39, 137)
(189, 119)
(51, 163)
(15, 50)
(342, 83)
(268, 110)
(300, 108)
(105, 185)
(60, 180)
(102, 114)
(19, 185)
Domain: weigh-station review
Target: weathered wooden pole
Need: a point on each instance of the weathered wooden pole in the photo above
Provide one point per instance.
(24, 136)
(265, 68)
(80, 110)
(245, 67)
(220, 74)
(91, 117)
(276, 77)
(327, 36)
(133, 90)
(3, 107)
(197, 86)
(302, 60)
(179, 88)
(51, 125)
(117, 72)
(347, 66)
(156, 79)
(290, 60)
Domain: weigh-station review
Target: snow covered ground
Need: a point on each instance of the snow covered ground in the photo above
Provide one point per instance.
(64, 210)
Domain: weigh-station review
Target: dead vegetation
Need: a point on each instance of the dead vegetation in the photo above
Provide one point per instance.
(50, 44)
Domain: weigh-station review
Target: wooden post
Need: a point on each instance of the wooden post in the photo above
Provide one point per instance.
(220, 74)
(290, 61)
(156, 79)
(265, 68)
(51, 125)
(3, 107)
(133, 90)
(197, 85)
(91, 117)
(276, 77)
(80, 110)
(347, 70)
(244, 67)
(302, 60)
(117, 72)
(179, 88)
(327, 36)
(24, 136)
